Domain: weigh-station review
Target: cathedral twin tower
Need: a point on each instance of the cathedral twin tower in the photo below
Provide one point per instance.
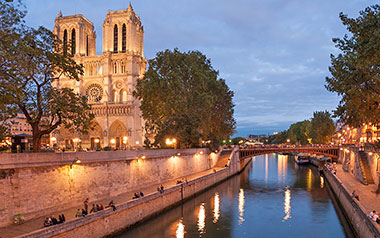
(109, 79)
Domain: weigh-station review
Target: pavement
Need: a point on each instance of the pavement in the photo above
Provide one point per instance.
(37, 223)
(368, 199)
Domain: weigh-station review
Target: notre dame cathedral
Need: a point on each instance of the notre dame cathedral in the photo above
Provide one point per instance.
(109, 79)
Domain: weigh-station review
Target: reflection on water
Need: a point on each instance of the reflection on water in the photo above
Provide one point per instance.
(180, 232)
(273, 197)
(216, 208)
(322, 181)
(287, 206)
(309, 179)
(241, 206)
(201, 219)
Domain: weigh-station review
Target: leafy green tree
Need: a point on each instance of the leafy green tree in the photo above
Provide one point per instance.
(182, 97)
(279, 138)
(322, 127)
(300, 132)
(31, 59)
(355, 72)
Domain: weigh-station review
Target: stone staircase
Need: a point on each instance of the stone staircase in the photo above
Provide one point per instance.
(223, 159)
(366, 171)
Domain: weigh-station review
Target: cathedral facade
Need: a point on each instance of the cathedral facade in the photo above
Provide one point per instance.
(109, 78)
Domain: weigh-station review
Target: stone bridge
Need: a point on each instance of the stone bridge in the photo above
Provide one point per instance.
(327, 150)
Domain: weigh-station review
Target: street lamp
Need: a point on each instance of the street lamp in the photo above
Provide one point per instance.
(170, 142)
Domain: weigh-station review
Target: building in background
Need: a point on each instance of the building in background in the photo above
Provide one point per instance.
(109, 78)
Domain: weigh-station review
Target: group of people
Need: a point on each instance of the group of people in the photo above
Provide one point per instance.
(182, 180)
(49, 221)
(95, 208)
(160, 189)
(138, 195)
(331, 167)
(374, 216)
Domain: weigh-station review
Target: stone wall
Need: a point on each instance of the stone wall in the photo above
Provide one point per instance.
(107, 222)
(38, 184)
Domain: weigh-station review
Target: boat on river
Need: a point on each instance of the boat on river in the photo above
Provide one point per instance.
(301, 159)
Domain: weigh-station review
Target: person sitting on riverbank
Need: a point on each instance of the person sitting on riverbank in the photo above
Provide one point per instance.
(355, 195)
(101, 206)
(370, 215)
(111, 204)
(136, 195)
(141, 194)
(48, 222)
(79, 213)
(375, 218)
(93, 209)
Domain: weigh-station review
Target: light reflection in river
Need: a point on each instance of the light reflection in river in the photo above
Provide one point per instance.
(202, 219)
(308, 180)
(287, 206)
(282, 162)
(322, 181)
(216, 208)
(241, 206)
(180, 232)
(266, 168)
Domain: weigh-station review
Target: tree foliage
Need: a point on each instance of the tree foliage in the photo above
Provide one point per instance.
(300, 132)
(182, 97)
(31, 59)
(322, 127)
(355, 72)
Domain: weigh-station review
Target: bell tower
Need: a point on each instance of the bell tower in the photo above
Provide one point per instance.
(123, 32)
(77, 31)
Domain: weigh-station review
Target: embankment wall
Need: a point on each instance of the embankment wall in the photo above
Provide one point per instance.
(107, 222)
(37, 184)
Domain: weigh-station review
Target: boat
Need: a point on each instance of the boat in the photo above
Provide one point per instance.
(301, 159)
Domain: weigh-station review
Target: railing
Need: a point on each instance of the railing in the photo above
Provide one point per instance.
(112, 109)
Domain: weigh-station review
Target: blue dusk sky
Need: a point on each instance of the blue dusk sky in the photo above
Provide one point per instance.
(274, 54)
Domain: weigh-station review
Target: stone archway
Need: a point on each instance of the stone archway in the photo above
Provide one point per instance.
(117, 133)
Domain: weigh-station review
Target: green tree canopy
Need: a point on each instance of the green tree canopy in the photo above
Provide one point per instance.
(355, 72)
(182, 97)
(322, 127)
(300, 132)
(31, 59)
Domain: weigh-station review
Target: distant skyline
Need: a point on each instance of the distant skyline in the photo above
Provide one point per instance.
(273, 54)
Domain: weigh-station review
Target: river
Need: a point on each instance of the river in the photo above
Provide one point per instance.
(272, 197)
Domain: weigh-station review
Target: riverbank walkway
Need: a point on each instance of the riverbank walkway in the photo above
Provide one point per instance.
(368, 199)
(37, 223)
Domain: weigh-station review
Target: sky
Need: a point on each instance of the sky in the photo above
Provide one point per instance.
(274, 54)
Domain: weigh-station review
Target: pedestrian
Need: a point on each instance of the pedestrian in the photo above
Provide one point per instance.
(86, 206)
(162, 189)
(63, 217)
(111, 204)
(141, 194)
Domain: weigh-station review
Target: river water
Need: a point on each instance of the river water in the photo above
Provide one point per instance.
(273, 197)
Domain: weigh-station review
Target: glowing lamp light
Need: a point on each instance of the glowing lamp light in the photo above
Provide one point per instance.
(137, 142)
(113, 141)
(96, 140)
(76, 140)
(370, 153)
(201, 153)
(143, 157)
(125, 139)
(178, 154)
(53, 139)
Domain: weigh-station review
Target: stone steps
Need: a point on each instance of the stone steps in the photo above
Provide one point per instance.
(366, 171)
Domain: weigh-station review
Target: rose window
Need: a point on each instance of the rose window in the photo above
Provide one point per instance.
(94, 93)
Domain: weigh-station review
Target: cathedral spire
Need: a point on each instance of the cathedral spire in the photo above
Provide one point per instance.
(130, 8)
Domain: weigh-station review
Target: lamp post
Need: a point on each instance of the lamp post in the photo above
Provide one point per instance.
(171, 141)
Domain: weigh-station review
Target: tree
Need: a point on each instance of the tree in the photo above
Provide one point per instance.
(322, 127)
(299, 132)
(355, 72)
(182, 96)
(31, 59)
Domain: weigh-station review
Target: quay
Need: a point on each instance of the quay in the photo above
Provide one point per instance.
(207, 171)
